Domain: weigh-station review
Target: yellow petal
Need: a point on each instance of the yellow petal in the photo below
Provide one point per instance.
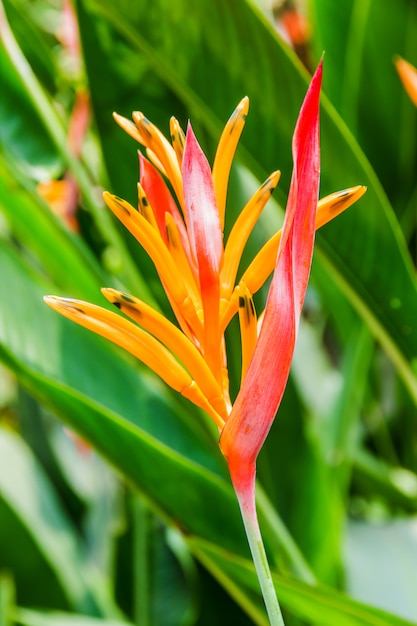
(164, 152)
(334, 204)
(138, 342)
(225, 153)
(152, 242)
(241, 231)
(129, 127)
(145, 208)
(248, 325)
(177, 138)
(264, 262)
(174, 340)
(408, 75)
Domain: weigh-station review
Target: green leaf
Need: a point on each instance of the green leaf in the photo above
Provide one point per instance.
(25, 617)
(316, 604)
(45, 554)
(98, 392)
(380, 562)
(34, 151)
(35, 227)
(361, 40)
(7, 597)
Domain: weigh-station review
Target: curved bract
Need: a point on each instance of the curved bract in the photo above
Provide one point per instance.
(184, 238)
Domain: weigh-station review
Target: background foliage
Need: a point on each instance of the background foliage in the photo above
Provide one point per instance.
(147, 530)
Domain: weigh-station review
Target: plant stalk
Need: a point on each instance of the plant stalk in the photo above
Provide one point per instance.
(246, 499)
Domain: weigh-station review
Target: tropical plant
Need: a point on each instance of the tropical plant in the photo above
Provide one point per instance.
(130, 514)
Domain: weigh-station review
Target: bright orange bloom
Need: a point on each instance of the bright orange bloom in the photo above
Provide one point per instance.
(183, 235)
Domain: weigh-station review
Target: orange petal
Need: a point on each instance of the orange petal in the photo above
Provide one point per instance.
(138, 342)
(408, 75)
(225, 152)
(152, 242)
(240, 232)
(248, 326)
(263, 263)
(174, 340)
(177, 138)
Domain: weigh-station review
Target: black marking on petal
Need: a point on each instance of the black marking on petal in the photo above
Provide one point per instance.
(136, 310)
(76, 308)
(338, 203)
(252, 307)
(246, 303)
(146, 125)
(121, 203)
(127, 297)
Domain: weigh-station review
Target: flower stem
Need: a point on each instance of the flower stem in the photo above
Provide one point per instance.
(246, 499)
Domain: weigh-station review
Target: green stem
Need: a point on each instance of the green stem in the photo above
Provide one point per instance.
(246, 499)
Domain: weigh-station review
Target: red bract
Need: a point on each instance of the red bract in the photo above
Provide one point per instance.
(206, 241)
(260, 395)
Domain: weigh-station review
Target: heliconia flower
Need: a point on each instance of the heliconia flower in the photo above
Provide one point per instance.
(183, 235)
(408, 76)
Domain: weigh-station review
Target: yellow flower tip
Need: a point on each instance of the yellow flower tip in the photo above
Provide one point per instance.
(225, 153)
(116, 204)
(127, 126)
(143, 124)
(68, 307)
(271, 182)
(242, 108)
(121, 299)
(177, 138)
(112, 295)
(334, 204)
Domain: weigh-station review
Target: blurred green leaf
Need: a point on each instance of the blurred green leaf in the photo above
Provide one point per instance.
(96, 390)
(361, 40)
(45, 555)
(26, 617)
(36, 228)
(7, 597)
(34, 151)
(380, 561)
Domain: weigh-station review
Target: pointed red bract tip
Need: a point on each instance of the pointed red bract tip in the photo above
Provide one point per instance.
(264, 385)
(202, 215)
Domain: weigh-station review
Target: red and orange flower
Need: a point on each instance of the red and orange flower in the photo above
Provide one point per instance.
(183, 235)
